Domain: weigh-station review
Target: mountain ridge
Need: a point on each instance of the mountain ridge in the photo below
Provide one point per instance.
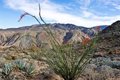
(35, 35)
(61, 26)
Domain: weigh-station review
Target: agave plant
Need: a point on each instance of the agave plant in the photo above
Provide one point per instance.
(6, 70)
(20, 64)
(29, 69)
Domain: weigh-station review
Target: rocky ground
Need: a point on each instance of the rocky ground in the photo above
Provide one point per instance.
(17, 63)
(106, 67)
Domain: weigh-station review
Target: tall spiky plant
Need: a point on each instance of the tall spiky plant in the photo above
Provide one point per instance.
(64, 59)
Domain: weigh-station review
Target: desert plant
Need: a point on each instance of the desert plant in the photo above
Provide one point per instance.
(64, 59)
(115, 64)
(36, 55)
(6, 70)
(29, 69)
(20, 64)
(101, 61)
(68, 62)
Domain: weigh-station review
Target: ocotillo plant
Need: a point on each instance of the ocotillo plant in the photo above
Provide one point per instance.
(64, 59)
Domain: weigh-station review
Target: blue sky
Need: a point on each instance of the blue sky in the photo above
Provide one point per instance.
(86, 13)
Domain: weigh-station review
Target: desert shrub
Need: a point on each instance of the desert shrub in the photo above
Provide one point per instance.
(20, 64)
(115, 64)
(105, 61)
(64, 59)
(6, 70)
(68, 62)
(37, 56)
(29, 69)
(101, 61)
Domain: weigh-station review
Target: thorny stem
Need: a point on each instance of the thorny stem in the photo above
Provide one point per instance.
(48, 27)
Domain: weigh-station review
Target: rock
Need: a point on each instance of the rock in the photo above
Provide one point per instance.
(26, 42)
(1, 39)
(2, 61)
(80, 79)
(107, 70)
(99, 54)
(116, 58)
(17, 76)
(11, 39)
(91, 66)
(115, 64)
(49, 76)
(99, 61)
(117, 72)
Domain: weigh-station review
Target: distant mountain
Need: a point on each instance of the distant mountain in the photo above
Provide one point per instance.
(35, 35)
(89, 31)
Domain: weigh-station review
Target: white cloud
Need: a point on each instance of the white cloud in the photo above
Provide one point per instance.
(84, 3)
(117, 6)
(114, 3)
(57, 13)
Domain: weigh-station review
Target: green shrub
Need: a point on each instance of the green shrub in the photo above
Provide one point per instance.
(6, 70)
(64, 59)
(29, 69)
(36, 55)
(20, 64)
(68, 62)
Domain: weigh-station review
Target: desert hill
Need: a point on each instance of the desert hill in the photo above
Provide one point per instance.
(109, 39)
(30, 39)
(28, 36)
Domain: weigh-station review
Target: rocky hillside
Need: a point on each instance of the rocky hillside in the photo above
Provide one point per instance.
(26, 37)
(109, 39)
(19, 62)
(108, 52)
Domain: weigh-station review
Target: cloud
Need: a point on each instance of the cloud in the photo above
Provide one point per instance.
(84, 4)
(54, 12)
(117, 6)
(114, 3)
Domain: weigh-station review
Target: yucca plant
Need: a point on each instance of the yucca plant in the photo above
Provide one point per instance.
(64, 59)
